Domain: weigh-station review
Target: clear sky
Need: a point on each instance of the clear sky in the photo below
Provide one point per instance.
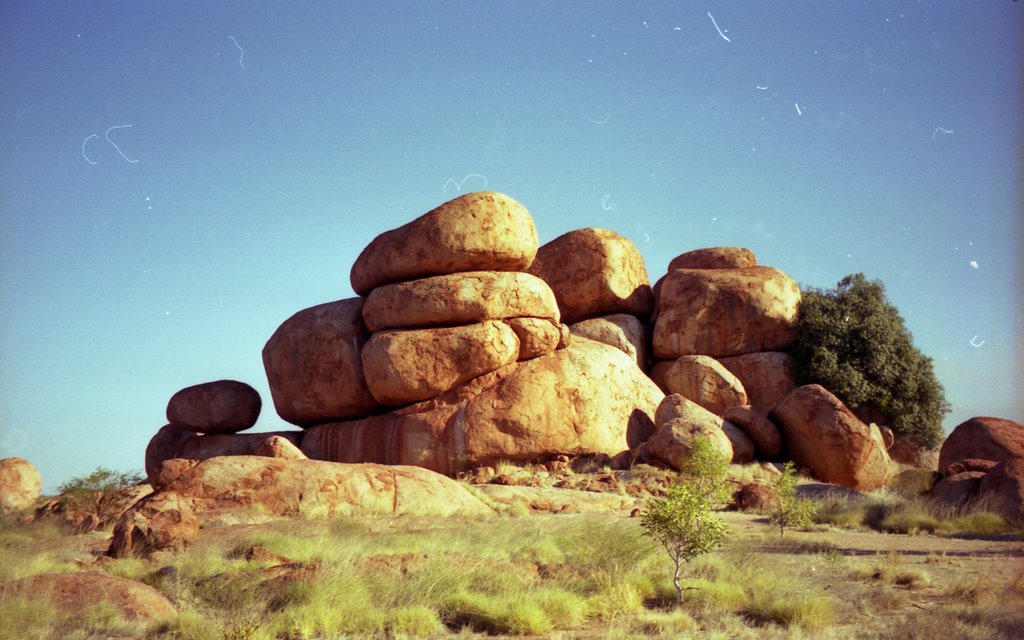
(178, 178)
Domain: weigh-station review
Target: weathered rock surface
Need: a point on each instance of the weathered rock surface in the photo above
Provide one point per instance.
(224, 406)
(725, 312)
(985, 438)
(620, 330)
(1003, 489)
(75, 594)
(20, 484)
(714, 258)
(314, 367)
(671, 442)
(971, 464)
(764, 434)
(823, 435)
(278, 447)
(537, 336)
(587, 398)
(704, 380)
(459, 298)
(552, 500)
(595, 272)
(742, 445)
(406, 366)
(162, 521)
(767, 377)
(481, 231)
(170, 443)
(957, 489)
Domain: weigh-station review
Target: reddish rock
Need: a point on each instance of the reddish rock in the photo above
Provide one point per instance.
(314, 367)
(714, 258)
(587, 398)
(620, 330)
(753, 496)
(957, 490)
(278, 447)
(20, 484)
(985, 438)
(970, 464)
(458, 299)
(888, 437)
(906, 451)
(537, 336)
(406, 366)
(76, 595)
(224, 406)
(671, 442)
(595, 272)
(1002, 490)
(168, 470)
(703, 380)
(163, 521)
(725, 312)
(742, 445)
(823, 435)
(482, 231)
(767, 377)
(658, 373)
(764, 434)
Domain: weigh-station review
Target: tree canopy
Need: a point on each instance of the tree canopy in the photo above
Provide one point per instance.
(853, 341)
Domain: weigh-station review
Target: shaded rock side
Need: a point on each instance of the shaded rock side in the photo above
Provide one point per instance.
(20, 484)
(767, 377)
(984, 438)
(458, 299)
(223, 406)
(714, 258)
(595, 272)
(314, 367)
(1002, 490)
(587, 398)
(77, 594)
(406, 366)
(481, 231)
(764, 434)
(671, 442)
(725, 312)
(823, 435)
(704, 380)
(620, 330)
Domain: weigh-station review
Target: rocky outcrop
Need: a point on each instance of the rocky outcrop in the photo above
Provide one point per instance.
(587, 398)
(823, 435)
(766, 376)
(957, 489)
(459, 299)
(714, 258)
(162, 521)
(482, 231)
(983, 438)
(704, 380)
(678, 421)
(538, 336)
(552, 500)
(20, 484)
(762, 432)
(725, 312)
(1002, 490)
(224, 406)
(620, 330)
(170, 443)
(314, 367)
(595, 272)
(406, 366)
(277, 447)
(75, 595)
(742, 446)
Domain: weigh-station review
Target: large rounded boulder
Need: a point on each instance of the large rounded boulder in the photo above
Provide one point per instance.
(983, 438)
(76, 595)
(224, 406)
(705, 381)
(20, 484)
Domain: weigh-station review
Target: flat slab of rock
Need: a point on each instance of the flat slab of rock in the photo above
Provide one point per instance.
(823, 435)
(170, 443)
(314, 367)
(983, 438)
(585, 399)
(595, 272)
(20, 484)
(75, 594)
(406, 366)
(224, 406)
(552, 500)
(458, 299)
(725, 312)
(481, 231)
(620, 330)
(714, 258)
(703, 380)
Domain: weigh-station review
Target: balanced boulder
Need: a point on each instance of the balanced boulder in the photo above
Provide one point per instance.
(823, 435)
(714, 258)
(20, 484)
(595, 272)
(704, 380)
(481, 231)
(224, 406)
(314, 367)
(725, 312)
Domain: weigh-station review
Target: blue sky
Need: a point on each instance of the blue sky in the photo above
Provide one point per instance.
(180, 177)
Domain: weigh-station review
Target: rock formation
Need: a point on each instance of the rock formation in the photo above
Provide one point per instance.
(20, 484)
(79, 594)
(224, 406)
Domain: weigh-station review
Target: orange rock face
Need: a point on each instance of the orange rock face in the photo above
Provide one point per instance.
(457, 299)
(20, 484)
(703, 380)
(587, 398)
(725, 312)
(678, 421)
(482, 231)
(984, 438)
(402, 367)
(758, 428)
(224, 406)
(823, 435)
(714, 258)
(314, 367)
(170, 443)
(767, 377)
(620, 330)
(76, 594)
(595, 272)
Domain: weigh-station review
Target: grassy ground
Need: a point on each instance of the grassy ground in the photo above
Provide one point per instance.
(587, 576)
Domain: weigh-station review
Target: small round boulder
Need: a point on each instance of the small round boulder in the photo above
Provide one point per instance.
(224, 406)
(20, 484)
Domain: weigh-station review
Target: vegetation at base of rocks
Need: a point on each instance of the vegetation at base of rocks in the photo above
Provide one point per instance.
(97, 492)
(790, 510)
(683, 522)
(853, 341)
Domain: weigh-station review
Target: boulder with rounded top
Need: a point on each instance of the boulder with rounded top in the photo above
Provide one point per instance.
(714, 258)
(767, 377)
(984, 438)
(620, 330)
(704, 380)
(223, 406)
(20, 484)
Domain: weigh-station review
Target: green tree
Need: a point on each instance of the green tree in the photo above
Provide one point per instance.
(854, 343)
(684, 521)
(93, 493)
(790, 511)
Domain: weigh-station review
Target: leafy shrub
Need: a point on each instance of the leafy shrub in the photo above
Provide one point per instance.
(96, 493)
(790, 511)
(853, 342)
